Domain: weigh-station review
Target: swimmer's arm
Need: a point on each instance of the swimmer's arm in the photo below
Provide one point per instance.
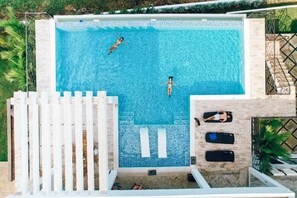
(163, 83)
(175, 85)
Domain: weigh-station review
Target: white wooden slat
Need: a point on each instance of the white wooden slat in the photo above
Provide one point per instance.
(34, 144)
(199, 179)
(30, 136)
(57, 143)
(78, 142)
(115, 132)
(90, 139)
(68, 142)
(112, 177)
(17, 142)
(9, 140)
(46, 152)
(102, 141)
(24, 141)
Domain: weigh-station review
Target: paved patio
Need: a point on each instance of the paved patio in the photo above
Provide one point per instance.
(6, 187)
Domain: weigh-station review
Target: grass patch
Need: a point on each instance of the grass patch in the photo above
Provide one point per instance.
(6, 91)
(286, 20)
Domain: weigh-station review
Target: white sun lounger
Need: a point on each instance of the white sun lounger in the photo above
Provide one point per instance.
(289, 172)
(276, 172)
(144, 142)
(162, 152)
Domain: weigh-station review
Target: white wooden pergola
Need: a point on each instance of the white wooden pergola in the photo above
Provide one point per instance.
(46, 125)
(45, 128)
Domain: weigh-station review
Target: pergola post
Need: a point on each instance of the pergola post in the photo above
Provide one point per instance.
(102, 141)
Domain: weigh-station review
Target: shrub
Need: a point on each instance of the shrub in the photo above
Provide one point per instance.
(294, 26)
(124, 11)
(268, 144)
(56, 7)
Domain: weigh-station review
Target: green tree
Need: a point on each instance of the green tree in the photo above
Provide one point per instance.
(13, 46)
(268, 143)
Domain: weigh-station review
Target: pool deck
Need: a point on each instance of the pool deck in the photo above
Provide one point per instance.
(256, 105)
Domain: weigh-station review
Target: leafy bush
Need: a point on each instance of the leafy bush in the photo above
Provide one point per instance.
(151, 10)
(294, 26)
(13, 46)
(124, 11)
(137, 10)
(55, 7)
(268, 144)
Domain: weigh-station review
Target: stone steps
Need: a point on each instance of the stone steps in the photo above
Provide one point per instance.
(281, 76)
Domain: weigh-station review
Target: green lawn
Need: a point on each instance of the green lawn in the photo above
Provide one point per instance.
(287, 20)
(6, 91)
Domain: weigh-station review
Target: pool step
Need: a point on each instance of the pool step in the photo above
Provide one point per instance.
(181, 117)
(181, 120)
(126, 118)
(126, 122)
(127, 114)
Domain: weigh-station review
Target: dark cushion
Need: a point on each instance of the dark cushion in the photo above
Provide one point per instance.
(219, 156)
(218, 137)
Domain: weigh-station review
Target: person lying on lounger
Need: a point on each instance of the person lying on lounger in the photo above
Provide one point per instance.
(116, 45)
(169, 83)
(221, 116)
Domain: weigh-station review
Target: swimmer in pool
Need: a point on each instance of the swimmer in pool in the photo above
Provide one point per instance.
(170, 83)
(116, 45)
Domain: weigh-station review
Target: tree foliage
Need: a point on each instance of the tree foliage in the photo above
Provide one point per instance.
(268, 143)
(13, 46)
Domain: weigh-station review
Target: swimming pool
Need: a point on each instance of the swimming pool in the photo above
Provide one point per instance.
(204, 58)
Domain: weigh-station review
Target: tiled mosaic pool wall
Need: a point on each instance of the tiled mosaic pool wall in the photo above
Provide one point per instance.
(178, 143)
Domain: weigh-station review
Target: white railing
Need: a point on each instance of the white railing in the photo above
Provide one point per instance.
(48, 132)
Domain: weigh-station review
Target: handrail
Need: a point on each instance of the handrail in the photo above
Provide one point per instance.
(289, 91)
(282, 75)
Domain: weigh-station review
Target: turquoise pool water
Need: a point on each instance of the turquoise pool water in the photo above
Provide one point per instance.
(204, 57)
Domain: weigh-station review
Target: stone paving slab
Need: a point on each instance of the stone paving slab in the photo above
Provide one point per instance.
(6, 187)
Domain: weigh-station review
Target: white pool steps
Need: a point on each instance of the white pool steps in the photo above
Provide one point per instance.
(274, 171)
(144, 142)
(162, 147)
(289, 172)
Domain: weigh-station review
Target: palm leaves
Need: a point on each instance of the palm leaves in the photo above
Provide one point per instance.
(268, 143)
(13, 46)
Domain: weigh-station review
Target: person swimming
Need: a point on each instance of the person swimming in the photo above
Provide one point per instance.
(116, 45)
(170, 83)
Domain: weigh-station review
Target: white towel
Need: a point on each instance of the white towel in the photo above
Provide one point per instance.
(162, 147)
(144, 142)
